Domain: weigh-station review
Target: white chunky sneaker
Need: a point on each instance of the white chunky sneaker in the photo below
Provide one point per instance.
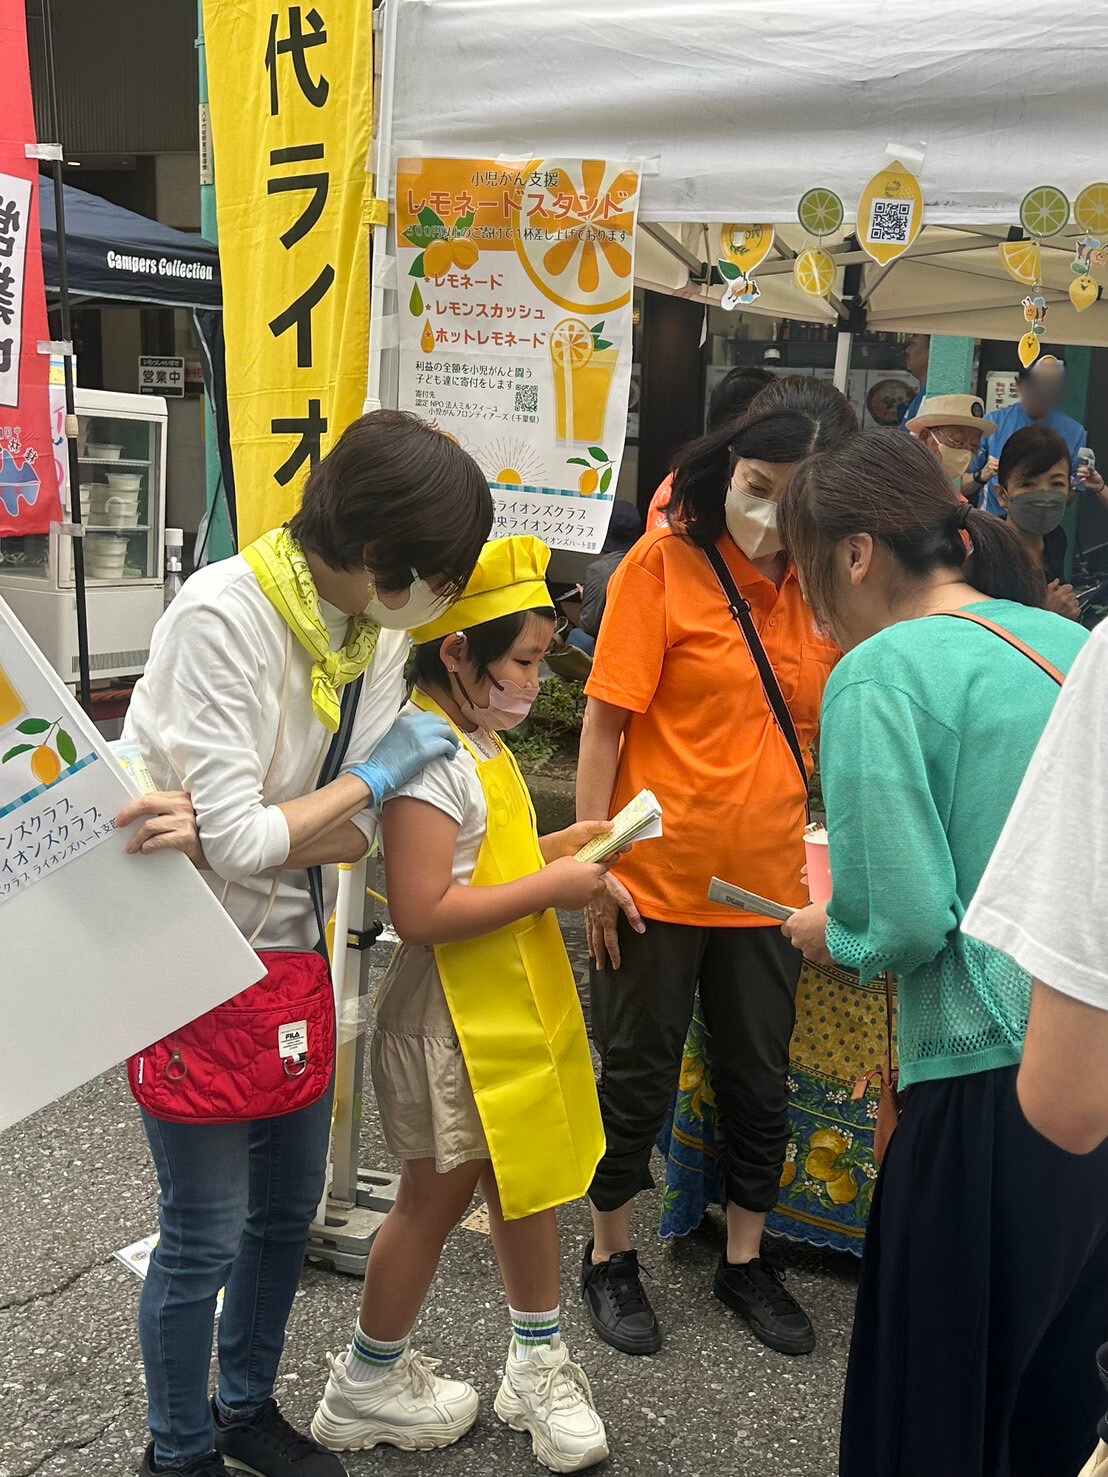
(410, 1407)
(549, 1396)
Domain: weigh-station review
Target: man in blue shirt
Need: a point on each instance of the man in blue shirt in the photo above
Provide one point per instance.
(917, 355)
(1041, 389)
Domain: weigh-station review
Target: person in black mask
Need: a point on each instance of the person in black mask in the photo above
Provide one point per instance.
(1034, 489)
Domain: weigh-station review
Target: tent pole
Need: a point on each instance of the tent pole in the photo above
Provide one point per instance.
(67, 335)
(843, 345)
(219, 538)
(382, 183)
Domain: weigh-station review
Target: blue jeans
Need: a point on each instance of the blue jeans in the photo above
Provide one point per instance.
(581, 640)
(235, 1204)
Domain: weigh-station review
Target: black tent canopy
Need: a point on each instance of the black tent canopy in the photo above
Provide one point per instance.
(116, 256)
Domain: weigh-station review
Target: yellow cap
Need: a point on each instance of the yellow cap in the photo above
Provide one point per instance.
(510, 577)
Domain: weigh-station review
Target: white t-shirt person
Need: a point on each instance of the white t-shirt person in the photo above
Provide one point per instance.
(1044, 901)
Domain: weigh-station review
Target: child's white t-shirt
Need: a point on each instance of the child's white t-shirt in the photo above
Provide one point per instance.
(452, 786)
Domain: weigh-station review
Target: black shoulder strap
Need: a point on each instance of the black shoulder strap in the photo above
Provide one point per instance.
(740, 611)
(332, 765)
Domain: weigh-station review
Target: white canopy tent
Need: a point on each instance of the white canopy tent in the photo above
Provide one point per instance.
(736, 108)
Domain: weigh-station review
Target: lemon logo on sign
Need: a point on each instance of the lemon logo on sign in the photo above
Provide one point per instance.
(573, 231)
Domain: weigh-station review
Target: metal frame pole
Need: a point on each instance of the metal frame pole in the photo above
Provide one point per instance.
(67, 337)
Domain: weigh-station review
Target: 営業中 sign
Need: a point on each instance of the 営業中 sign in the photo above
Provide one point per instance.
(164, 375)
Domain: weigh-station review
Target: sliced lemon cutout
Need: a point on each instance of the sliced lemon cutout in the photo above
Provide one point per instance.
(814, 272)
(1022, 260)
(820, 212)
(1090, 209)
(1045, 211)
(571, 344)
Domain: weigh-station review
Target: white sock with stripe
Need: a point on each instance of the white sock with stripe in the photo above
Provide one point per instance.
(533, 1331)
(372, 1359)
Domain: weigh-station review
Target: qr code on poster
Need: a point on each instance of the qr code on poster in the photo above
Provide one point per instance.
(891, 221)
(527, 399)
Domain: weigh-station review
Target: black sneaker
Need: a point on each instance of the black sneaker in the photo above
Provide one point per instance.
(619, 1308)
(267, 1445)
(757, 1291)
(200, 1466)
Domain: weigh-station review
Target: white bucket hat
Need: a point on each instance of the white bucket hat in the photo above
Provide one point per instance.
(952, 410)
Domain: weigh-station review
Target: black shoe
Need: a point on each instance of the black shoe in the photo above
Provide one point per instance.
(267, 1445)
(200, 1466)
(756, 1290)
(619, 1308)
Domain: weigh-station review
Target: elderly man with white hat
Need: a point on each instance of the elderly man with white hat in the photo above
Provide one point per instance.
(952, 428)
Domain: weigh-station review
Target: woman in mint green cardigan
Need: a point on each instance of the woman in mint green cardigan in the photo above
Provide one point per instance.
(984, 1288)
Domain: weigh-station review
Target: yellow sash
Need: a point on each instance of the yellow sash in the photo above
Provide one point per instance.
(513, 1000)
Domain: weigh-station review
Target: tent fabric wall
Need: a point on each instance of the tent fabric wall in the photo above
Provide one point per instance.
(738, 107)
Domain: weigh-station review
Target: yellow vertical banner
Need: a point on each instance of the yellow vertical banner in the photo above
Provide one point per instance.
(291, 104)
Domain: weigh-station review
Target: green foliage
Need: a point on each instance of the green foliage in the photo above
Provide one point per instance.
(554, 726)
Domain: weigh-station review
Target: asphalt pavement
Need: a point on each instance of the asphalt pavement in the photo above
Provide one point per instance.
(76, 1185)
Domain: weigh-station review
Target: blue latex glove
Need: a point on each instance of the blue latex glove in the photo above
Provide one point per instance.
(408, 747)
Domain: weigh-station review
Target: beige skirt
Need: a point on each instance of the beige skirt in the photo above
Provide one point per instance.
(424, 1096)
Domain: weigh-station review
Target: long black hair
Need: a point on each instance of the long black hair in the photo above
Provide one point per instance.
(788, 421)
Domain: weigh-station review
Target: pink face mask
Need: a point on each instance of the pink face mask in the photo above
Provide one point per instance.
(508, 706)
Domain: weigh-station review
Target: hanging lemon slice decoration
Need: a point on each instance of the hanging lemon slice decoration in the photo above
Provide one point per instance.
(1028, 349)
(890, 213)
(746, 247)
(1090, 209)
(1083, 293)
(1022, 260)
(814, 271)
(820, 212)
(1045, 211)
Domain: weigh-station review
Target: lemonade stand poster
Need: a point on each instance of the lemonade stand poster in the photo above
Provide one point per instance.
(56, 802)
(515, 337)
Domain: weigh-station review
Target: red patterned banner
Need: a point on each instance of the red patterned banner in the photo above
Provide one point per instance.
(29, 500)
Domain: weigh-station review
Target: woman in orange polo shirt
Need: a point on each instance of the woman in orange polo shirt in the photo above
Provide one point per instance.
(677, 705)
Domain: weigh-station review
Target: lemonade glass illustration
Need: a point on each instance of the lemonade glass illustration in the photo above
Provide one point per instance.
(583, 377)
(12, 705)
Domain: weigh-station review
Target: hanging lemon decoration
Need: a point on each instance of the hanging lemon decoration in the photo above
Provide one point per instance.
(1022, 260)
(1045, 211)
(1083, 293)
(745, 247)
(1028, 349)
(814, 272)
(1090, 209)
(890, 213)
(820, 212)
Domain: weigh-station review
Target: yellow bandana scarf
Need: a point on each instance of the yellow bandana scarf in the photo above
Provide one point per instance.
(282, 571)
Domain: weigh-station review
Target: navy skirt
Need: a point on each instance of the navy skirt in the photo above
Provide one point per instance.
(983, 1296)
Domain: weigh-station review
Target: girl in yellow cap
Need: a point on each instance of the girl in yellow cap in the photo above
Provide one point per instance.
(481, 1063)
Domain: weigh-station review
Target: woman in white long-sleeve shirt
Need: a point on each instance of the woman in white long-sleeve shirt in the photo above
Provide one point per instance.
(241, 697)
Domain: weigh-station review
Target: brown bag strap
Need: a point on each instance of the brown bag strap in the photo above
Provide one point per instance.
(890, 1015)
(1032, 655)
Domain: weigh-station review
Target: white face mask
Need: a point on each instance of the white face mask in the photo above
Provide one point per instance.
(751, 522)
(421, 607)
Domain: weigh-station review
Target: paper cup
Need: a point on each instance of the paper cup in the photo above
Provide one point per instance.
(817, 855)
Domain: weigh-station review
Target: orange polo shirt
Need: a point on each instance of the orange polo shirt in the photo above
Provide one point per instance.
(701, 733)
(659, 503)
